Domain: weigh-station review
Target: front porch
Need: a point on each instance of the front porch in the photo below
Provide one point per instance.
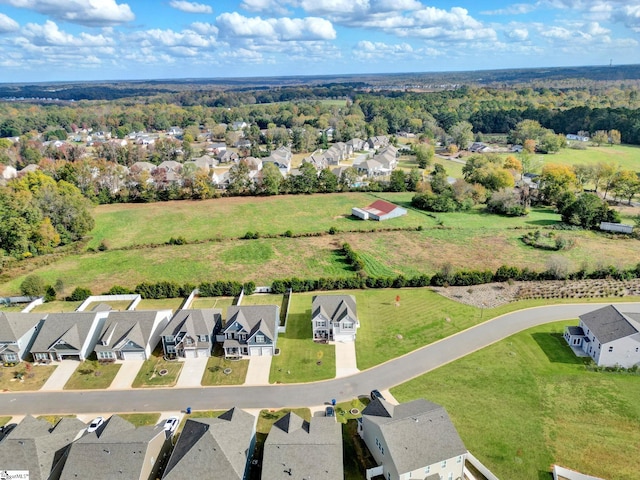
(233, 349)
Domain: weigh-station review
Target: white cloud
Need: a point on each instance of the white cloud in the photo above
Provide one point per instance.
(515, 9)
(274, 7)
(50, 34)
(90, 13)
(518, 34)
(204, 28)
(190, 7)
(170, 38)
(7, 24)
(275, 29)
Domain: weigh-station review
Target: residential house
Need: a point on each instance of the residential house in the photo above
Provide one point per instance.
(317, 159)
(242, 143)
(221, 179)
(251, 330)
(205, 162)
(175, 132)
(239, 125)
(37, 447)
(281, 158)
(227, 156)
(378, 210)
(17, 332)
(71, 335)
(609, 335)
(142, 166)
(131, 335)
(117, 450)
(579, 138)
(222, 446)
(358, 145)
(218, 147)
(388, 158)
(334, 317)
(191, 333)
(479, 147)
(378, 142)
(369, 168)
(171, 166)
(412, 440)
(300, 449)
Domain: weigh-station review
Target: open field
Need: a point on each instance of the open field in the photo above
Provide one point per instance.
(627, 156)
(527, 402)
(460, 239)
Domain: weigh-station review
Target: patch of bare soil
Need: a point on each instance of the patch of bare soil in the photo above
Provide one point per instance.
(495, 294)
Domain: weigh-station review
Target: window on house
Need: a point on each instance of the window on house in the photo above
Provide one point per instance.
(348, 325)
(443, 464)
(169, 338)
(611, 349)
(259, 338)
(188, 340)
(203, 338)
(171, 349)
(459, 459)
(11, 357)
(428, 469)
(105, 355)
(450, 477)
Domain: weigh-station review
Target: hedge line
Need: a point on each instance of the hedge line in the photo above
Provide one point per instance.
(361, 281)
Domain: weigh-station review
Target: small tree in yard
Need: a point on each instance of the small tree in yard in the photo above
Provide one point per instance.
(32, 286)
(80, 294)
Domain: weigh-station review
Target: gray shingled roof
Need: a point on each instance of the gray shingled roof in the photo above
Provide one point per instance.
(35, 445)
(207, 445)
(608, 324)
(13, 325)
(71, 328)
(115, 451)
(134, 326)
(334, 307)
(417, 433)
(297, 449)
(193, 321)
(249, 317)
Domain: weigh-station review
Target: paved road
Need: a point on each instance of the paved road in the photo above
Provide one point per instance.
(381, 377)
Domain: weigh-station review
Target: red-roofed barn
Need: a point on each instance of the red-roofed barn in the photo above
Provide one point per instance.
(378, 210)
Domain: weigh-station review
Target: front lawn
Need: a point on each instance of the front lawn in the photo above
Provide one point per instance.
(217, 371)
(301, 359)
(92, 375)
(157, 372)
(527, 402)
(141, 419)
(24, 377)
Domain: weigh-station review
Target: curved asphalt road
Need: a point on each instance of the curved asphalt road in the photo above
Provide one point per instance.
(383, 376)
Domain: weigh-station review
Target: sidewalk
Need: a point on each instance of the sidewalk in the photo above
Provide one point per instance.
(60, 375)
(192, 372)
(345, 359)
(258, 371)
(126, 375)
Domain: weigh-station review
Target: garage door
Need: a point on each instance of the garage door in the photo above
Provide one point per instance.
(203, 352)
(133, 355)
(254, 351)
(267, 351)
(190, 353)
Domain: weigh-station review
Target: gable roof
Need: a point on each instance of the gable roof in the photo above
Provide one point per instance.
(608, 324)
(134, 326)
(36, 446)
(71, 328)
(255, 317)
(334, 307)
(115, 451)
(207, 445)
(417, 433)
(13, 325)
(194, 322)
(299, 449)
(380, 207)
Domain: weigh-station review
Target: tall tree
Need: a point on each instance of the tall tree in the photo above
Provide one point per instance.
(462, 134)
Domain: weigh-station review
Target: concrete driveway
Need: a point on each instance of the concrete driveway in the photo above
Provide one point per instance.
(192, 371)
(345, 359)
(126, 375)
(258, 371)
(60, 375)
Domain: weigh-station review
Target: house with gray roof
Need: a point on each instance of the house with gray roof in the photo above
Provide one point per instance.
(378, 142)
(609, 335)
(71, 335)
(191, 333)
(223, 445)
(251, 330)
(370, 168)
(281, 158)
(36, 446)
(300, 449)
(17, 332)
(412, 440)
(131, 335)
(334, 317)
(117, 450)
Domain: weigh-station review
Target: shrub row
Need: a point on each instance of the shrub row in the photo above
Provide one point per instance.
(352, 258)
(357, 282)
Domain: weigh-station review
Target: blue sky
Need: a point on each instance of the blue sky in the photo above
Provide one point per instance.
(61, 40)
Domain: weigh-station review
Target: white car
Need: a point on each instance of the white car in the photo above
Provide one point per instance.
(95, 424)
(170, 424)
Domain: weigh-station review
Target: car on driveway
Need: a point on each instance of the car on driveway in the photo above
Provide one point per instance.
(376, 394)
(95, 424)
(170, 425)
(329, 411)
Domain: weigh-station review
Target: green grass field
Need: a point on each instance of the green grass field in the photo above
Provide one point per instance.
(215, 374)
(92, 375)
(527, 402)
(627, 156)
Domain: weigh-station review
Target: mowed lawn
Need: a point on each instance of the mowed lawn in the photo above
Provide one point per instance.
(627, 156)
(224, 218)
(527, 402)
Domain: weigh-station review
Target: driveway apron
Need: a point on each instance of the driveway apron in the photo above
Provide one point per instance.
(126, 375)
(346, 359)
(192, 372)
(258, 371)
(60, 375)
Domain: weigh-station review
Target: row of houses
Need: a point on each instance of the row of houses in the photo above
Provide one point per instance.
(250, 330)
(411, 440)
